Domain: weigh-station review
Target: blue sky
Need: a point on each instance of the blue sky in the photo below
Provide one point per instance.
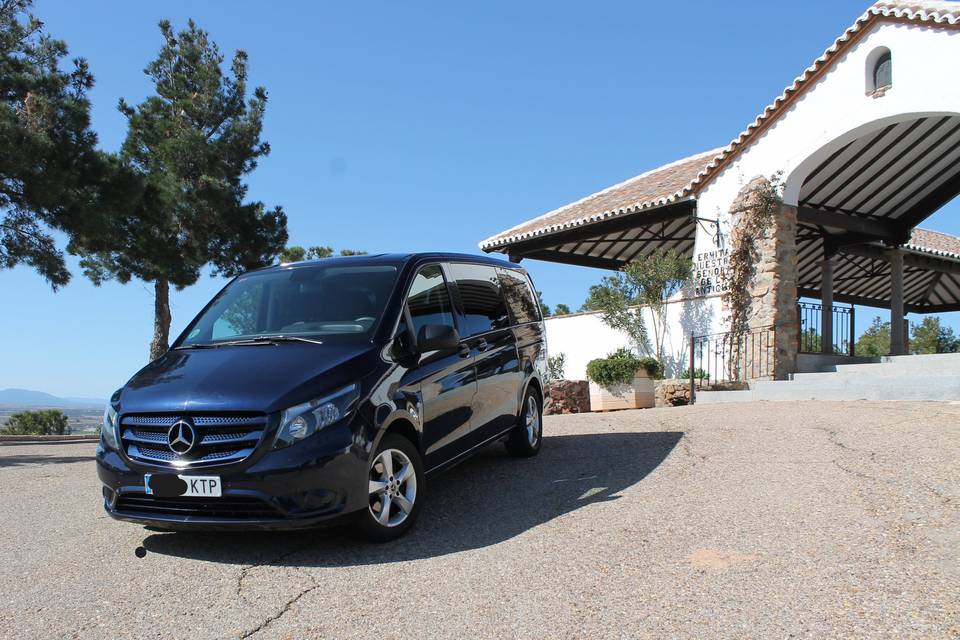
(401, 126)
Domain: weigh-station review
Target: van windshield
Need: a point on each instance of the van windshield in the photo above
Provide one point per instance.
(336, 303)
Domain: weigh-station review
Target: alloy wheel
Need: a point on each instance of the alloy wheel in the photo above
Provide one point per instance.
(393, 487)
(532, 421)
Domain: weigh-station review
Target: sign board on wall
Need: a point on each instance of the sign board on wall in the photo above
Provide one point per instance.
(711, 270)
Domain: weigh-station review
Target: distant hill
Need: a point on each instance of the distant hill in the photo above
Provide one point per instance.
(24, 398)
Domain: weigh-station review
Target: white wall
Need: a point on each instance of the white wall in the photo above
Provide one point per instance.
(582, 337)
(837, 107)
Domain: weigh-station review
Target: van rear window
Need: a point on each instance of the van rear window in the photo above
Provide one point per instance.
(483, 305)
(520, 297)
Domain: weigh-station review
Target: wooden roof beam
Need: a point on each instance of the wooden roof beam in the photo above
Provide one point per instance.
(878, 229)
(910, 259)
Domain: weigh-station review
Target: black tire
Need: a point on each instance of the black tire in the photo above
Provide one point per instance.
(525, 439)
(369, 523)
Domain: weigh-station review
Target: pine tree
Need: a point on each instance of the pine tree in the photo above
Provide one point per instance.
(189, 145)
(50, 170)
(296, 253)
(544, 307)
(875, 341)
(930, 336)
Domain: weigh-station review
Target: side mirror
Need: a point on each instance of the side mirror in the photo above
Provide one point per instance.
(437, 337)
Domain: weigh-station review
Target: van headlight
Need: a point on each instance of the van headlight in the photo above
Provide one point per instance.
(306, 419)
(108, 430)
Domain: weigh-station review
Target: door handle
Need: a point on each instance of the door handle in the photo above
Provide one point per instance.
(482, 345)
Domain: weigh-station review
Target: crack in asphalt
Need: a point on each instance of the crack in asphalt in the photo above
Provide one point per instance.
(283, 610)
(242, 575)
(686, 445)
(904, 538)
(833, 437)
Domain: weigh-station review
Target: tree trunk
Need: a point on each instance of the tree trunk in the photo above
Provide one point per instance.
(161, 319)
(659, 328)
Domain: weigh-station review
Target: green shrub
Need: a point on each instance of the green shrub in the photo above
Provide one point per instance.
(698, 373)
(653, 367)
(47, 422)
(620, 367)
(556, 367)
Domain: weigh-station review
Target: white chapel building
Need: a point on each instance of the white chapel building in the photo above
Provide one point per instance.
(866, 142)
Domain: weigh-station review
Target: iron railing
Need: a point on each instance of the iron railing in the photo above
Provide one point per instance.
(732, 357)
(810, 315)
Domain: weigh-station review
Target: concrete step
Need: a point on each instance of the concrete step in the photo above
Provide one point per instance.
(813, 362)
(877, 371)
(937, 387)
(927, 358)
(819, 375)
(902, 368)
(714, 397)
(926, 377)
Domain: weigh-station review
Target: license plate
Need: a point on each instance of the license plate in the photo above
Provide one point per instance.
(171, 486)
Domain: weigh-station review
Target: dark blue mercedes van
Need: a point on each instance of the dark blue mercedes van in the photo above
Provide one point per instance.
(309, 392)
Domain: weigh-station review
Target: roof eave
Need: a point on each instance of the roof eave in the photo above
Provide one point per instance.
(493, 244)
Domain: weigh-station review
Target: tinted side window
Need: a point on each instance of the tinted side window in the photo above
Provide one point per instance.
(483, 305)
(520, 299)
(429, 300)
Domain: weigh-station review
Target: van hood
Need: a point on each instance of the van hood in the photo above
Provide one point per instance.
(261, 378)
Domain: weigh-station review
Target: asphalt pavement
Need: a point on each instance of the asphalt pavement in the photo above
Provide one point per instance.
(766, 520)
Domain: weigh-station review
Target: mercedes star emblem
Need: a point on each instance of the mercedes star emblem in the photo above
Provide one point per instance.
(181, 437)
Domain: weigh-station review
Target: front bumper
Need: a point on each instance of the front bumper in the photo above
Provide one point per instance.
(312, 483)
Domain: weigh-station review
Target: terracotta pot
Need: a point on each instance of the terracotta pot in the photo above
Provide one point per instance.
(638, 394)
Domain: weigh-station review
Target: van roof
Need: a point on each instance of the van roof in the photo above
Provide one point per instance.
(398, 259)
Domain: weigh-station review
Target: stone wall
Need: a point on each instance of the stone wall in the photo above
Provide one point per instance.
(773, 286)
(567, 396)
(672, 393)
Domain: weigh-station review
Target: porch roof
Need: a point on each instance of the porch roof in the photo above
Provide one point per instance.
(861, 273)
(652, 189)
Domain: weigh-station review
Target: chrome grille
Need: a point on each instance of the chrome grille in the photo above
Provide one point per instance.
(159, 437)
(219, 438)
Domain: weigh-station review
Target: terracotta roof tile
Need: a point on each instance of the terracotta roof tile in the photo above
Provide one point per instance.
(654, 188)
(934, 242)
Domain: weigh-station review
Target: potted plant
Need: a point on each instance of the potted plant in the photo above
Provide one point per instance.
(622, 381)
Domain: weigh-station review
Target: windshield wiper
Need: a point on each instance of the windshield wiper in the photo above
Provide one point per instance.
(256, 340)
(270, 340)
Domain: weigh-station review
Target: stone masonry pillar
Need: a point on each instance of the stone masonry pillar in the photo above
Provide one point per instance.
(773, 286)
